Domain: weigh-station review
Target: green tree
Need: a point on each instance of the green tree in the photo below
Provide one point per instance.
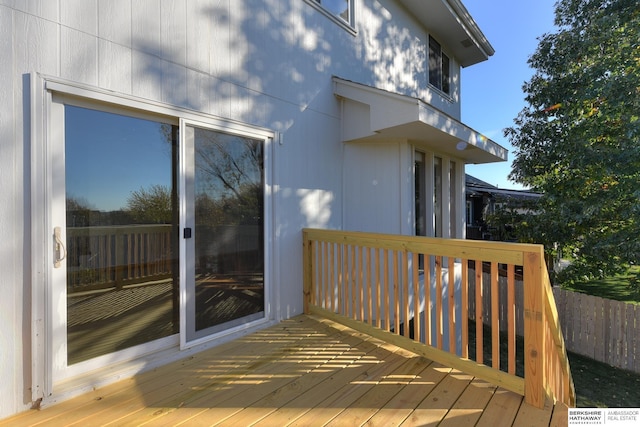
(578, 139)
(150, 205)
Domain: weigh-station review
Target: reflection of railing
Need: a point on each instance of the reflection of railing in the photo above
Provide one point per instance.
(113, 256)
(413, 291)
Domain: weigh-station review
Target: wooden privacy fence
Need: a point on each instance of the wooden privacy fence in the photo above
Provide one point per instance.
(108, 256)
(413, 292)
(599, 328)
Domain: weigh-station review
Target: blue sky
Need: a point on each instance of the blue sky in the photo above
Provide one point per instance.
(492, 93)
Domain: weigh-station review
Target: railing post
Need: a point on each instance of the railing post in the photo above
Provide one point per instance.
(307, 270)
(534, 389)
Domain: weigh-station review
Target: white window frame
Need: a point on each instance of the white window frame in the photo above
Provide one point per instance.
(441, 67)
(43, 90)
(347, 25)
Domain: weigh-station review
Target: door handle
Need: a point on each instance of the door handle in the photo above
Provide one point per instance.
(59, 251)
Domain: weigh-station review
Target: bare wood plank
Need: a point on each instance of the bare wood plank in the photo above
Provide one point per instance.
(366, 406)
(510, 382)
(417, 327)
(464, 318)
(332, 280)
(428, 312)
(607, 331)
(405, 292)
(511, 320)
(387, 308)
(352, 282)
(503, 252)
(325, 268)
(306, 400)
(402, 404)
(261, 377)
(439, 314)
(469, 407)
(534, 320)
(344, 294)
(396, 293)
(145, 389)
(479, 319)
(529, 415)
(344, 397)
(495, 320)
(451, 294)
(502, 409)
(377, 287)
(436, 405)
(599, 342)
(370, 285)
(560, 415)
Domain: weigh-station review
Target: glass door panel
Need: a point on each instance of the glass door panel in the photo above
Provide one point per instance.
(225, 206)
(121, 232)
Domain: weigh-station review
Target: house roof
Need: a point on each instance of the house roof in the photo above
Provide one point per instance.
(370, 114)
(449, 20)
(477, 187)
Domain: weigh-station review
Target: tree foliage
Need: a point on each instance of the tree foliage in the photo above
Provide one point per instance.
(151, 205)
(578, 139)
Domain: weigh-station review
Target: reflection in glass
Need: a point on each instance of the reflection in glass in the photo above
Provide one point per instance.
(121, 213)
(229, 224)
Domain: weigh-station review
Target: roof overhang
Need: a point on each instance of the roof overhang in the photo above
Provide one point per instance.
(375, 115)
(450, 23)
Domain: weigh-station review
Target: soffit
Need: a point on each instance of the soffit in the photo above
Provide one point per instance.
(374, 115)
(452, 25)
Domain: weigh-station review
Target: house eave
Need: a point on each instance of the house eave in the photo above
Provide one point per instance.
(374, 115)
(450, 22)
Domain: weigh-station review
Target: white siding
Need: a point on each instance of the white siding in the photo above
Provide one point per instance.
(263, 62)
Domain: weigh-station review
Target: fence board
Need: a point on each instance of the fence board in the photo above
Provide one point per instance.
(602, 329)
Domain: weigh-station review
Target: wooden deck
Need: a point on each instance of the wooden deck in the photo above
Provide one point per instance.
(306, 371)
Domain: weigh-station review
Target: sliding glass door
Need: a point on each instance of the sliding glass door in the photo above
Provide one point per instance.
(224, 230)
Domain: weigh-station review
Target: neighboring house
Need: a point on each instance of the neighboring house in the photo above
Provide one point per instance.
(484, 199)
(149, 146)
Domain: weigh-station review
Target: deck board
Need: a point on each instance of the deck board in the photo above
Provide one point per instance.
(304, 371)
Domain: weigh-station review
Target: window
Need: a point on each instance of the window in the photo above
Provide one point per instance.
(439, 75)
(342, 9)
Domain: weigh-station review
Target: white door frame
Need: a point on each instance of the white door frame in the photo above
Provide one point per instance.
(44, 131)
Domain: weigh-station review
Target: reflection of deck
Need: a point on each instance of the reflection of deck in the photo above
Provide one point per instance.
(106, 321)
(304, 371)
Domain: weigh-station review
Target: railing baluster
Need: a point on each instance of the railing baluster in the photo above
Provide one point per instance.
(452, 304)
(495, 316)
(511, 319)
(479, 320)
(332, 280)
(464, 290)
(387, 308)
(405, 292)
(417, 332)
(339, 272)
(370, 286)
(439, 331)
(377, 287)
(428, 312)
(396, 293)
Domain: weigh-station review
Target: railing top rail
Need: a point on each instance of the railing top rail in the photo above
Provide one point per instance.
(503, 252)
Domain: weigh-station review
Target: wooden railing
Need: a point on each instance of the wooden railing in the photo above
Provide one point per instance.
(113, 256)
(414, 292)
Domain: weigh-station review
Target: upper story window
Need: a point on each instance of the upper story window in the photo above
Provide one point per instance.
(439, 75)
(340, 10)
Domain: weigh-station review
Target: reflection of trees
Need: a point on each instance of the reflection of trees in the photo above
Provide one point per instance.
(80, 214)
(229, 179)
(151, 205)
